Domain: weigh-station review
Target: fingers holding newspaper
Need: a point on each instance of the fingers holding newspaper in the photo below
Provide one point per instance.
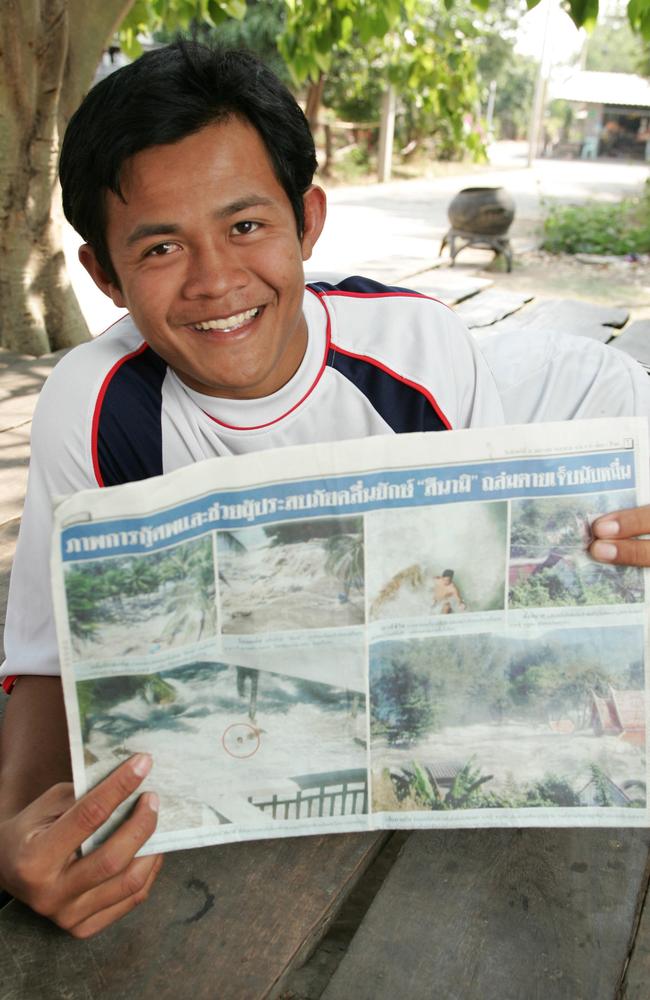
(39, 846)
(616, 537)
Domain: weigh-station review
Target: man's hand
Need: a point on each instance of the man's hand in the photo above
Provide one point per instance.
(39, 864)
(616, 537)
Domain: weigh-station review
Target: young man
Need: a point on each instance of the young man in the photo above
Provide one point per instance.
(189, 175)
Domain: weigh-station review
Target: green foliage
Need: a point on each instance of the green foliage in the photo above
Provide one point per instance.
(295, 532)
(584, 14)
(599, 228)
(316, 29)
(603, 794)
(419, 686)
(403, 703)
(344, 559)
(97, 695)
(423, 50)
(638, 13)
(96, 590)
(418, 789)
(149, 16)
(464, 792)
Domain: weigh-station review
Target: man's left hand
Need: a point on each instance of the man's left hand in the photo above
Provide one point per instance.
(616, 537)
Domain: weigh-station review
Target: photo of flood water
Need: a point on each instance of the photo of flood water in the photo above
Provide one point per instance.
(494, 721)
(293, 575)
(230, 744)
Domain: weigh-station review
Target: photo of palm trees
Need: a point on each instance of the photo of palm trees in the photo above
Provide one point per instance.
(292, 575)
(491, 721)
(124, 606)
(549, 565)
(432, 561)
(231, 744)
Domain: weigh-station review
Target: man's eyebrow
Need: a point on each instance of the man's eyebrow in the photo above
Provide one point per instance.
(241, 204)
(148, 229)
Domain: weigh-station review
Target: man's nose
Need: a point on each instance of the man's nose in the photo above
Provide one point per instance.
(213, 271)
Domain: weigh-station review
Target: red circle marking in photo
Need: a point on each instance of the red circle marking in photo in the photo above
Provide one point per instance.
(241, 740)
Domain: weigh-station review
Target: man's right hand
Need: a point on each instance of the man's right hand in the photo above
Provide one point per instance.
(38, 852)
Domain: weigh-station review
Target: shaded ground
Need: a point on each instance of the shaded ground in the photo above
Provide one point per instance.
(615, 282)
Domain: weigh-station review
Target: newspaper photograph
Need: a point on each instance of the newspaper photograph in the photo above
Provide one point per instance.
(399, 632)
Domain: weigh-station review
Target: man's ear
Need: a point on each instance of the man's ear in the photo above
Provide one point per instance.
(107, 284)
(315, 204)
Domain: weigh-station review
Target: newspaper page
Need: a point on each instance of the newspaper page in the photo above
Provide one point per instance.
(402, 631)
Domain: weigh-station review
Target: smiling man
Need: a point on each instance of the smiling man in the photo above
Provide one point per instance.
(189, 175)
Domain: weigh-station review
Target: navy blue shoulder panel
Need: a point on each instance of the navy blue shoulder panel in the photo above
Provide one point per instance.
(359, 285)
(127, 438)
(404, 405)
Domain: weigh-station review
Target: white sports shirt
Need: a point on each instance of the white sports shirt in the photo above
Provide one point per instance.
(379, 360)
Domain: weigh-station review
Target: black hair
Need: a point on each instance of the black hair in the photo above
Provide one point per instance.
(448, 573)
(162, 97)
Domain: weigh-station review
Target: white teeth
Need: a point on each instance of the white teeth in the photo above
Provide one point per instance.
(229, 323)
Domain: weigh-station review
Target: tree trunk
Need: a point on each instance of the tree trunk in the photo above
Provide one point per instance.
(49, 50)
(314, 100)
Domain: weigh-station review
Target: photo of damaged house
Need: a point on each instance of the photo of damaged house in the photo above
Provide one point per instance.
(549, 565)
(552, 718)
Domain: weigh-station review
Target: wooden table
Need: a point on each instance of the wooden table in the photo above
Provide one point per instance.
(450, 915)
(457, 915)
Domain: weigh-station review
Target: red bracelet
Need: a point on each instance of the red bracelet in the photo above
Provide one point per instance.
(8, 683)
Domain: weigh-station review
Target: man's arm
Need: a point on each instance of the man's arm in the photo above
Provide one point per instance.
(41, 826)
(34, 751)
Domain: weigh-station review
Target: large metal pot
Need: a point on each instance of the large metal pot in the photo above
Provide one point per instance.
(484, 211)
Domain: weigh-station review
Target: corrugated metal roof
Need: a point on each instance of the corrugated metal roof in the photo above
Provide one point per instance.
(588, 87)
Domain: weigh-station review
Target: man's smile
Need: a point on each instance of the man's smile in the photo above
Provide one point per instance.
(228, 323)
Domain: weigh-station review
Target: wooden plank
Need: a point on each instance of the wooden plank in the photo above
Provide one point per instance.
(500, 915)
(222, 922)
(637, 975)
(490, 306)
(449, 286)
(568, 316)
(635, 340)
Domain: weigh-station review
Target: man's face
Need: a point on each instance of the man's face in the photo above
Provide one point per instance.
(209, 261)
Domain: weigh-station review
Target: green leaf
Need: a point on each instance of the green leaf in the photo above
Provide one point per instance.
(583, 13)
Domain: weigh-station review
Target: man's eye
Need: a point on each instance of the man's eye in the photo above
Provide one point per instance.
(245, 227)
(162, 249)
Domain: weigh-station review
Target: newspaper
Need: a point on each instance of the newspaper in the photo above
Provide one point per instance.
(397, 632)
